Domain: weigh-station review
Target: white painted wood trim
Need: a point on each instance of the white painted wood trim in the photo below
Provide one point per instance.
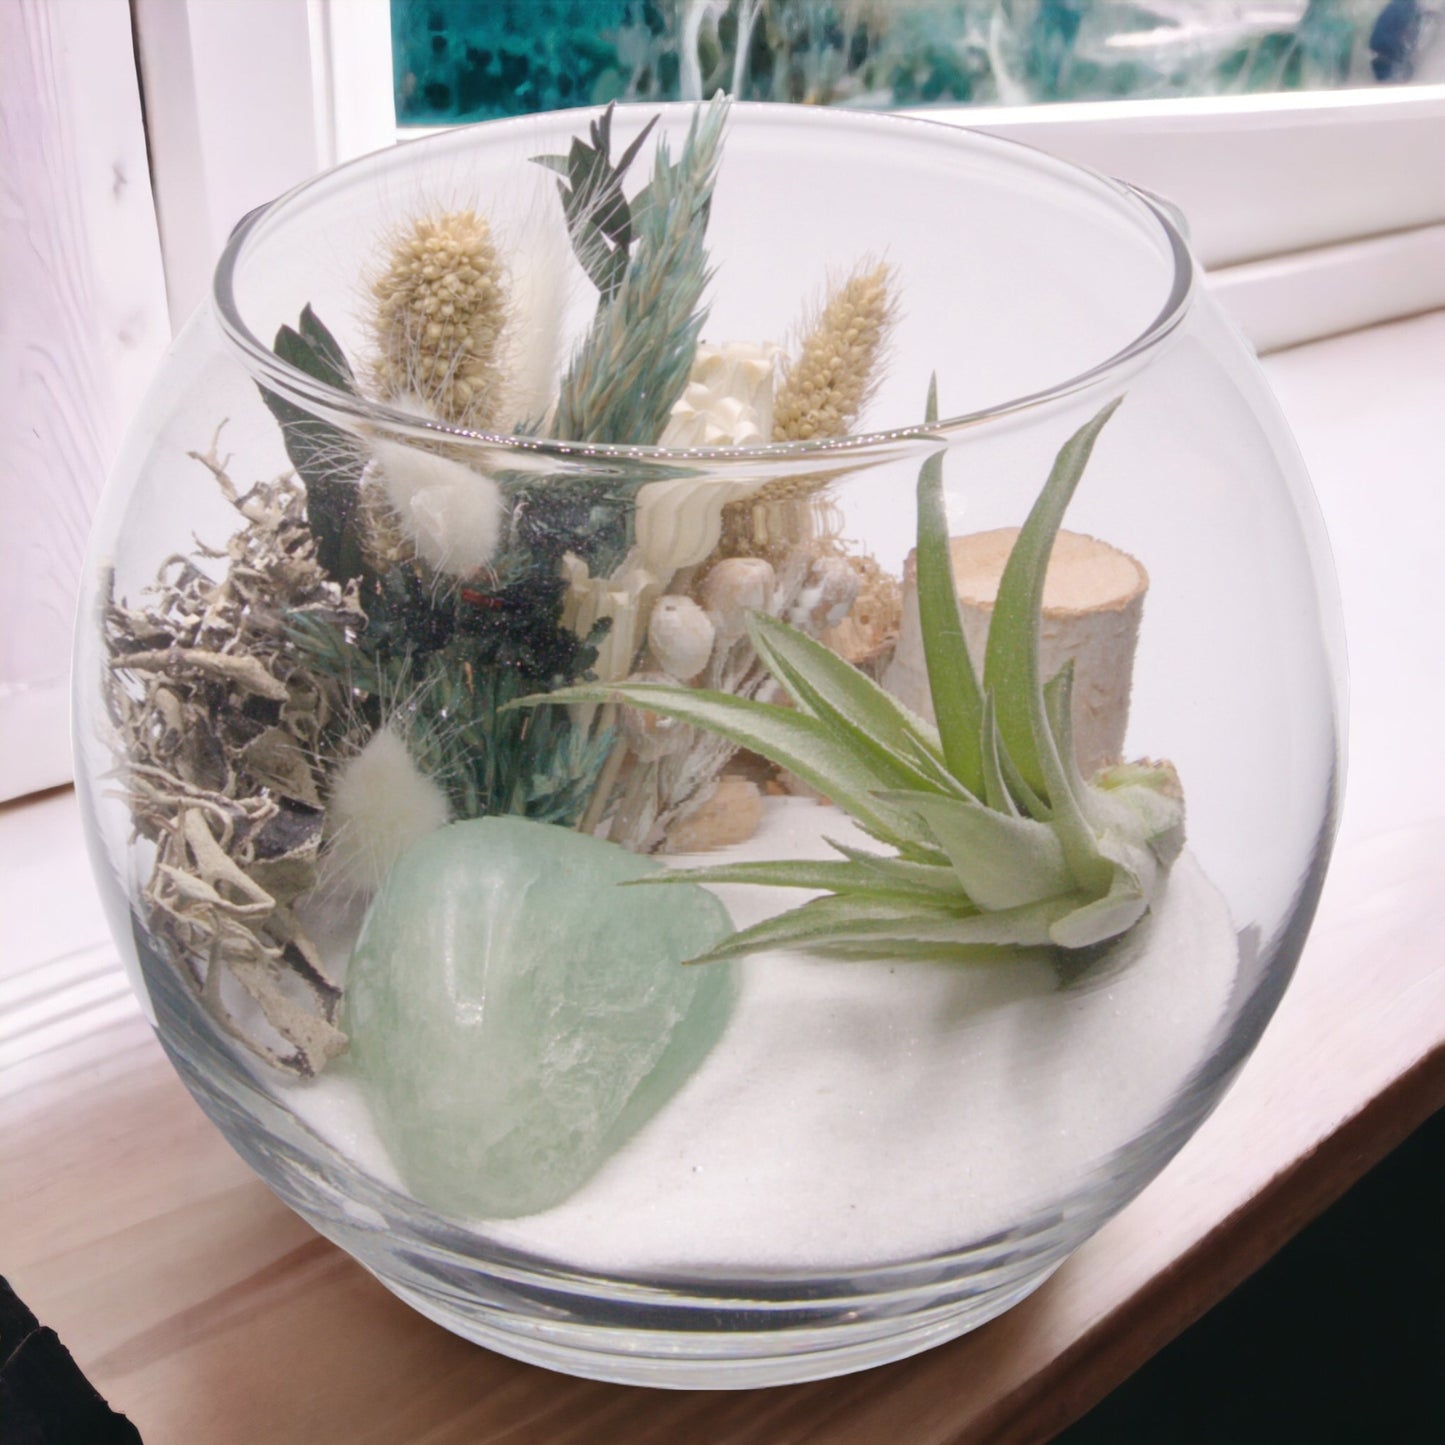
(1257, 176)
(163, 50)
(1323, 200)
(1287, 300)
(351, 52)
(232, 116)
(82, 325)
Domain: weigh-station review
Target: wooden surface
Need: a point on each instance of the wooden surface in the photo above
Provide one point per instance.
(205, 1310)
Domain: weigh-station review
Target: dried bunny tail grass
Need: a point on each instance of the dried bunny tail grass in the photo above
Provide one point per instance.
(382, 788)
(380, 803)
(440, 314)
(821, 393)
(452, 515)
(539, 284)
(384, 542)
(838, 365)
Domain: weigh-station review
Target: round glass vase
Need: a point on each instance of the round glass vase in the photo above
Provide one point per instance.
(865, 1149)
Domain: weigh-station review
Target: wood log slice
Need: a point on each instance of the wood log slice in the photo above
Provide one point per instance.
(1093, 601)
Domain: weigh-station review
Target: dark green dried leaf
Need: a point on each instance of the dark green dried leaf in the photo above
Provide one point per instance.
(327, 459)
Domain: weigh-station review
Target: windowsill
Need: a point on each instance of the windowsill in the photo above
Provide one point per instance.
(164, 1265)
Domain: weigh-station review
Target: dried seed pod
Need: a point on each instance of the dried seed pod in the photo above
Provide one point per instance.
(732, 589)
(837, 367)
(439, 315)
(681, 636)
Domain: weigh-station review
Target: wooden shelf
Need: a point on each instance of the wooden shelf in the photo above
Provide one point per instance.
(204, 1309)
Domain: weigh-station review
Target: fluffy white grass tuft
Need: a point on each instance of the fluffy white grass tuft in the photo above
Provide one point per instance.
(381, 803)
(538, 288)
(452, 515)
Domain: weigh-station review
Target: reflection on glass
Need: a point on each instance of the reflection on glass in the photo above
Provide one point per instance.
(481, 59)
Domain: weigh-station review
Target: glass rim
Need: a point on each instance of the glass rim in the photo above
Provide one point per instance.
(334, 404)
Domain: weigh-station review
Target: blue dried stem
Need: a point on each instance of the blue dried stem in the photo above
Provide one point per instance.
(635, 360)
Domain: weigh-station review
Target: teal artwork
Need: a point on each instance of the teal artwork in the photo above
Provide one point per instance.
(462, 60)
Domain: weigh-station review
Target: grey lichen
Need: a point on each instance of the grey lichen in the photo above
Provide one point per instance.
(218, 725)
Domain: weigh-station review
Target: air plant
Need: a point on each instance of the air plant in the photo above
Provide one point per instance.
(996, 838)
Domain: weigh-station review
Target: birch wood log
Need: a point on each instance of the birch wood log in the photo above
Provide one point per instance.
(1093, 600)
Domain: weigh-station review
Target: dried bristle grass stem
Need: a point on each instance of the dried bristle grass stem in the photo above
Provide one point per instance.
(439, 318)
(821, 394)
(837, 368)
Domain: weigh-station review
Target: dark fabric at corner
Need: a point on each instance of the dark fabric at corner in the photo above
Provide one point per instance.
(1338, 1340)
(44, 1397)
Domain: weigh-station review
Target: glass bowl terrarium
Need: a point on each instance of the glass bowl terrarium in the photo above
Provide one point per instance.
(710, 732)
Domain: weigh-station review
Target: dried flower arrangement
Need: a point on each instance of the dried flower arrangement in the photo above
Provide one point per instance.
(996, 838)
(354, 679)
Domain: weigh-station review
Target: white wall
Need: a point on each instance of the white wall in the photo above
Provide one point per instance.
(82, 325)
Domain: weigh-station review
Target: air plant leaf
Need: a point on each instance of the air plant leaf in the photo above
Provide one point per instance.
(853, 777)
(825, 686)
(893, 926)
(1065, 788)
(998, 840)
(1001, 862)
(1116, 912)
(958, 704)
(823, 875)
(996, 791)
(1011, 660)
(900, 875)
(1140, 799)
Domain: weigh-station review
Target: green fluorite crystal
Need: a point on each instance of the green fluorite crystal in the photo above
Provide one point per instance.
(515, 1015)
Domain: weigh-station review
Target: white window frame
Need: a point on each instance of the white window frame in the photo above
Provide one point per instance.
(1332, 217)
(1314, 212)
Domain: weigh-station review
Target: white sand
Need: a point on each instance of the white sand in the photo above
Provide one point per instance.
(855, 1113)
